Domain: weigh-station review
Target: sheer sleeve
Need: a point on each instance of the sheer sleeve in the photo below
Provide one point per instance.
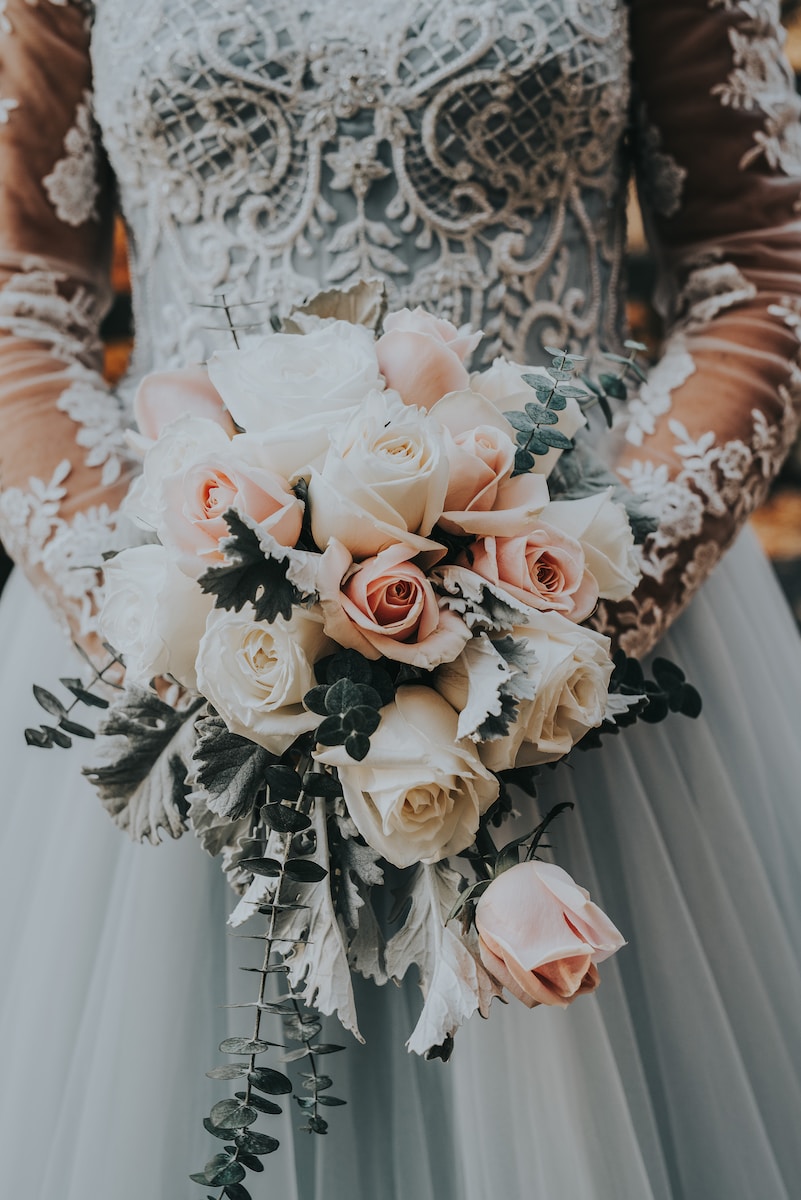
(61, 439)
(719, 165)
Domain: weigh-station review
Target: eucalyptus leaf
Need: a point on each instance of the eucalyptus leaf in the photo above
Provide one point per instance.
(283, 819)
(264, 1106)
(258, 1143)
(283, 782)
(238, 1045)
(222, 1169)
(235, 1191)
(269, 867)
(274, 1083)
(304, 870)
(49, 702)
(232, 1114)
(228, 1071)
(76, 729)
(331, 1101)
(221, 1131)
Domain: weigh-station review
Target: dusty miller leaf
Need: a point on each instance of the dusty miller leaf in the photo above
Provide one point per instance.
(145, 747)
(478, 602)
(227, 770)
(318, 968)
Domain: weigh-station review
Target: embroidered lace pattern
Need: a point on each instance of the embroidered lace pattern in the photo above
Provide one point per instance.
(471, 153)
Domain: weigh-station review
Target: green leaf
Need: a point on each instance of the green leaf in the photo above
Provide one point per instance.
(667, 674)
(82, 694)
(317, 1083)
(250, 1161)
(540, 415)
(222, 1169)
(555, 437)
(331, 1101)
(358, 746)
(76, 729)
(320, 783)
(59, 738)
(330, 732)
(284, 782)
(235, 1191)
(317, 1125)
(296, 1055)
(229, 1071)
(49, 702)
(348, 664)
(40, 738)
(264, 1106)
(327, 1048)
(222, 1131)
(269, 867)
(613, 386)
(304, 870)
(238, 1045)
(283, 819)
(361, 720)
(315, 699)
(274, 1083)
(258, 1143)
(232, 1114)
(519, 421)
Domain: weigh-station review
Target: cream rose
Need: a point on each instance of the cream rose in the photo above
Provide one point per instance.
(419, 793)
(164, 396)
(180, 443)
(153, 615)
(256, 673)
(602, 527)
(386, 606)
(422, 356)
(295, 388)
(540, 935)
(545, 569)
(384, 480)
(192, 519)
(503, 384)
(570, 682)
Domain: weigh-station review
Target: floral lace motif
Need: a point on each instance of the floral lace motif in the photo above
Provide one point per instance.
(72, 186)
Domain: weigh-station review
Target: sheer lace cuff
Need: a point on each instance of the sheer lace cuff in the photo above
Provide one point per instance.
(62, 452)
(720, 177)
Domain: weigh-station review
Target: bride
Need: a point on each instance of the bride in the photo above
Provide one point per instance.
(475, 155)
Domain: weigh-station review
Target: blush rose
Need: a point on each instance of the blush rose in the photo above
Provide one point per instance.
(540, 935)
(422, 356)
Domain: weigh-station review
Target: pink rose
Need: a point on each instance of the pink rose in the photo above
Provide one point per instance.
(545, 569)
(385, 605)
(482, 498)
(422, 356)
(541, 936)
(195, 500)
(164, 396)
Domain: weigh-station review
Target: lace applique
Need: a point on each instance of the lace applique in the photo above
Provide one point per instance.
(72, 186)
(710, 289)
(66, 557)
(269, 149)
(761, 81)
(655, 397)
(33, 305)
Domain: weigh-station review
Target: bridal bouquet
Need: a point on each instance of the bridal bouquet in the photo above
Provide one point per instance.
(366, 594)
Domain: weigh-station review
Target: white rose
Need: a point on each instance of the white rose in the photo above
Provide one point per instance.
(502, 383)
(570, 679)
(153, 615)
(295, 388)
(602, 527)
(256, 673)
(384, 480)
(419, 793)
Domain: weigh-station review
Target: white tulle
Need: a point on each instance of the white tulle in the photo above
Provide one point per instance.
(679, 1080)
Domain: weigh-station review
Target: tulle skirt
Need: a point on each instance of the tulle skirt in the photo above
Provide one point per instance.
(679, 1080)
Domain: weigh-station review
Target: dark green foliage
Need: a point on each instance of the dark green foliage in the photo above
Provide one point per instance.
(353, 691)
(248, 577)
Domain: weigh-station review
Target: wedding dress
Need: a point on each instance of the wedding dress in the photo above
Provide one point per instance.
(476, 155)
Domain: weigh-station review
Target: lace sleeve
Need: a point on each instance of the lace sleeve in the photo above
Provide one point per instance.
(61, 472)
(719, 166)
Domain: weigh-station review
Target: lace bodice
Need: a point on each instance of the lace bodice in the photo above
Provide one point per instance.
(469, 153)
(474, 154)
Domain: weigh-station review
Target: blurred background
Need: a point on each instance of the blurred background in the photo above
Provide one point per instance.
(778, 522)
